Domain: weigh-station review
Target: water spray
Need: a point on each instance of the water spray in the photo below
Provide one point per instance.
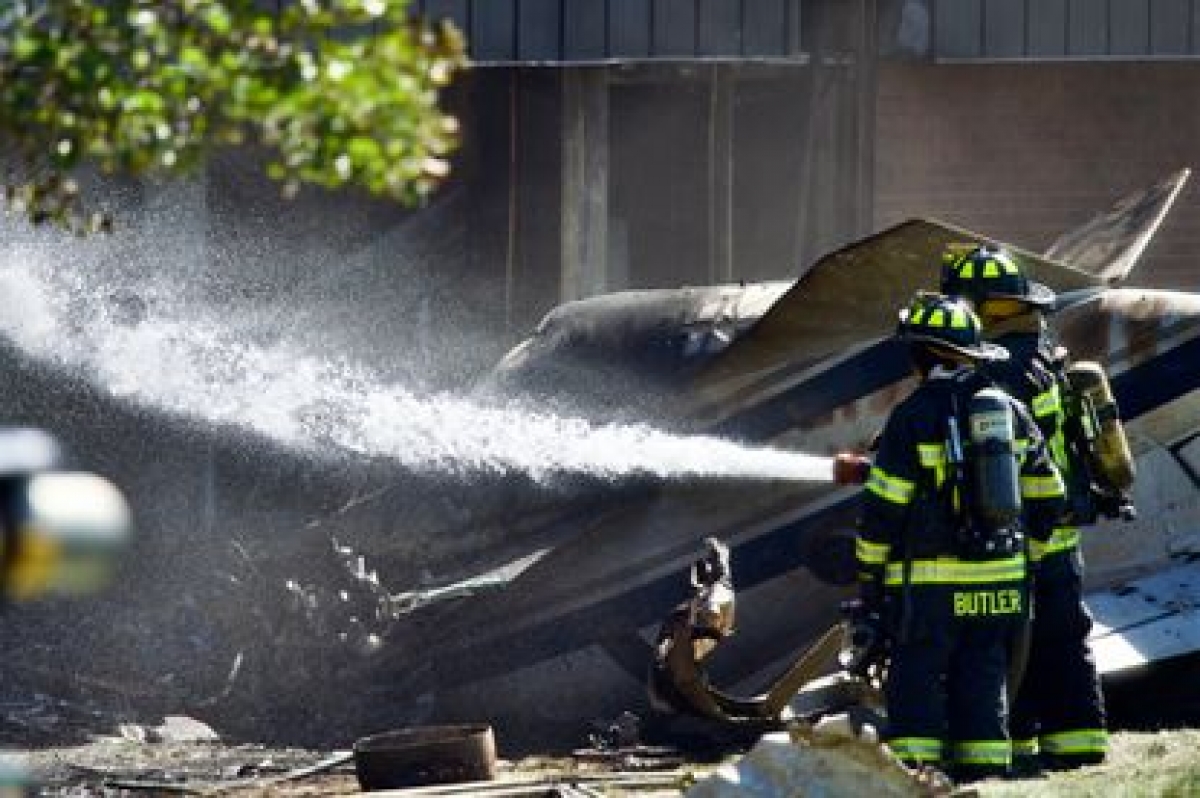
(156, 352)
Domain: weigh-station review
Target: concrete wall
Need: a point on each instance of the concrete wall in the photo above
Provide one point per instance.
(1026, 152)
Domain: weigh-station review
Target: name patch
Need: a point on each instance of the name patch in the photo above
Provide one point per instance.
(987, 602)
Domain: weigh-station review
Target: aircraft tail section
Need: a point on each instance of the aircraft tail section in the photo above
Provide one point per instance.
(1110, 244)
(849, 297)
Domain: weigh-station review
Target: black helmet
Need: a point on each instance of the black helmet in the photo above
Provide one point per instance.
(986, 272)
(948, 324)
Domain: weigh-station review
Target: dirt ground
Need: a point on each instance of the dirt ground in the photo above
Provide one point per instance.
(1141, 764)
(113, 767)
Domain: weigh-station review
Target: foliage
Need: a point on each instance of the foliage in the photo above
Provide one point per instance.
(340, 92)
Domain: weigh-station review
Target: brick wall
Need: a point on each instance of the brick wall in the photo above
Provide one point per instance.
(1026, 152)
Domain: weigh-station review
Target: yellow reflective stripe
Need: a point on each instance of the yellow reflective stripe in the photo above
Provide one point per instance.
(937, 318)
(933, 456)
(1058, 452)
(1009, 266)
(948, 571)
(1076, 741)
(870, 553)
(888, 487)
(982, 752)
(917, 749)
(1047, 487)
(959, 319)
(1047, 402)
(1064, 538)
(1025, 747)
(916, 316)
(991, 268)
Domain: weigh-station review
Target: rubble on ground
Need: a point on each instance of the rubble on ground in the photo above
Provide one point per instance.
(832, 758)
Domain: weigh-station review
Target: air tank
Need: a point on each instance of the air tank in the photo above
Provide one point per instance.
(997, 486)
(1108, 453)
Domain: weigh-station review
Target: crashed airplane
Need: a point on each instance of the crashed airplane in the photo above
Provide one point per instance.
(536, 608)
(564, 635)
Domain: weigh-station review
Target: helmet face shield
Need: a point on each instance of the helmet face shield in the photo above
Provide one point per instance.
(993, 309)
(985, 273)
(946, 326)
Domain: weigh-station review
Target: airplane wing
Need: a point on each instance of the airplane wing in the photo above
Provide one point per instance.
(1110, 244)
(1148, 620)
(849, 298)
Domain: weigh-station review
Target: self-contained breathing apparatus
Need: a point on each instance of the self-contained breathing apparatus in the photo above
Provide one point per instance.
(985, 498)
(1093, 428)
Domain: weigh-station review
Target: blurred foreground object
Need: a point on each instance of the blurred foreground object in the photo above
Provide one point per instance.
(63, 530)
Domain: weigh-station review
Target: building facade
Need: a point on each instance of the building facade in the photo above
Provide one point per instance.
(670, 142)
(613, 144)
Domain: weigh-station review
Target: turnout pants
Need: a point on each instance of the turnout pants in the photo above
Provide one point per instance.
(946, 686)
(1059, 710)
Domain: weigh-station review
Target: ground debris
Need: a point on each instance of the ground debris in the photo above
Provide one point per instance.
(200, 768)
(173, 729)
(832, 759)
(243, 782)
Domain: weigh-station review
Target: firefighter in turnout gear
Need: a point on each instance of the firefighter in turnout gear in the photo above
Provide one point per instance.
(1058, 717)
(960, 477)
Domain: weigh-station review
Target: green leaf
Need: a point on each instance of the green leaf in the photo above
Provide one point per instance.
(341, 102)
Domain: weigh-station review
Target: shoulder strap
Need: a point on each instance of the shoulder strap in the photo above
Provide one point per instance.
(1025, 417)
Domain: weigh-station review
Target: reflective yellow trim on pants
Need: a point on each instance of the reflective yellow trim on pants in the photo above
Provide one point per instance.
(889, 488)
(917, 749)
(1076, 741)
(949, 571)
(1025, 747)
(869, 553)
(982, 752)
(1064, 538)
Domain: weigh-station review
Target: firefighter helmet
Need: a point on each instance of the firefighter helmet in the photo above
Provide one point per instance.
(987, 272)
(946, 324)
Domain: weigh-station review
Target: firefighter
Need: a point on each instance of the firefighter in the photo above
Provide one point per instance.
(941, 556)
(1058, 717)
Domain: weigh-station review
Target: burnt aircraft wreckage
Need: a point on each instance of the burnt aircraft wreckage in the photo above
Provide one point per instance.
(807, 366)
(536, 609)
